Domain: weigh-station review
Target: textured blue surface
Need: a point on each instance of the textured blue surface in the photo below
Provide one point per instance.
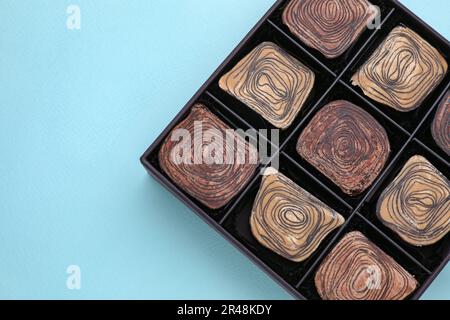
(77, 109)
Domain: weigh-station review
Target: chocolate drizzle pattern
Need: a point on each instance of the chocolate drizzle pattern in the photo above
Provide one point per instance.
(417, 203)
(288, 220)
(213, 182)
(441, 125)
(402, 71)
(346, 144)
(270, 82)
(356, 269)
(330, 26)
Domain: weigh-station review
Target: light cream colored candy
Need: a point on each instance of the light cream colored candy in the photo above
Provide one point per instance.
(402, 71)
(271, 82)
(288, 220)
(417, 203)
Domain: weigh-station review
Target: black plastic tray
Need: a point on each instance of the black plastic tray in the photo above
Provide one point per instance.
(409, 135)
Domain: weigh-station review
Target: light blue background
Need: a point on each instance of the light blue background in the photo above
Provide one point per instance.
(77, 109)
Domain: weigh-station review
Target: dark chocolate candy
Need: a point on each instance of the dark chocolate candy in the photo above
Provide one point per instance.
(441, 125)
(402, 71)
(356, 269)
(288, 220)
(330, 26)
(209, 166)
(346, 144)
(270, 82)
(417, 203)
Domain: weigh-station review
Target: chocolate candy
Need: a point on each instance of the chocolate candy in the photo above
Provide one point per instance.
(346, 144)
(329, 26)
(441, 125)
(417, 203)
(356, 269)
(288, 220)
(270, 82)
(208, 164)
(402, 71)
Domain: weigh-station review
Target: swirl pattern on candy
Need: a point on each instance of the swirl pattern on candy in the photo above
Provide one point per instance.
(346, 144)
(417, 203)
(402, 71)
(271, 82)
(206, 165)
(356, 269)
(329, 26)
(288, 220)
(441, 125)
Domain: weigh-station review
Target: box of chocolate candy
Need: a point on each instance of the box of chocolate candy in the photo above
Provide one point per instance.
(320, 148)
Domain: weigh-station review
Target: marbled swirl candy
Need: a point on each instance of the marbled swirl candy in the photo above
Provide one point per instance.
(330, 26)
(209, 179)
(402, 71)
(288, 220)
(270, 82)
(417, 203)
(346, 144)
(356, 269)
(441, 125)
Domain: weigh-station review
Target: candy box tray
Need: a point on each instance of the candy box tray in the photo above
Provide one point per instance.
(409, 135)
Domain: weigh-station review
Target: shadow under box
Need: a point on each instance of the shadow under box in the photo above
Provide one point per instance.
(357, 223)
(152, 159)
(408, 120)
(237, 222)
(425, 136)
(323, 80)
(431, 256)
(339, 64)
(397, 138)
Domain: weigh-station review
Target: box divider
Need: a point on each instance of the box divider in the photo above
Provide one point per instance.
(307, 116)
(432, 109)
(375, 108)
(300, 47)
(425, 269)
(365, 46)
(317, 181)
(325, 250)
(444, 161)
(382, 176)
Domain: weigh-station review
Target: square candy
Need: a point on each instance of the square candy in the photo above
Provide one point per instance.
(329, 26)
(402, 72)
(271, 82)
(213, 181)
(417, 203)
(356, 269)
(346, 144)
